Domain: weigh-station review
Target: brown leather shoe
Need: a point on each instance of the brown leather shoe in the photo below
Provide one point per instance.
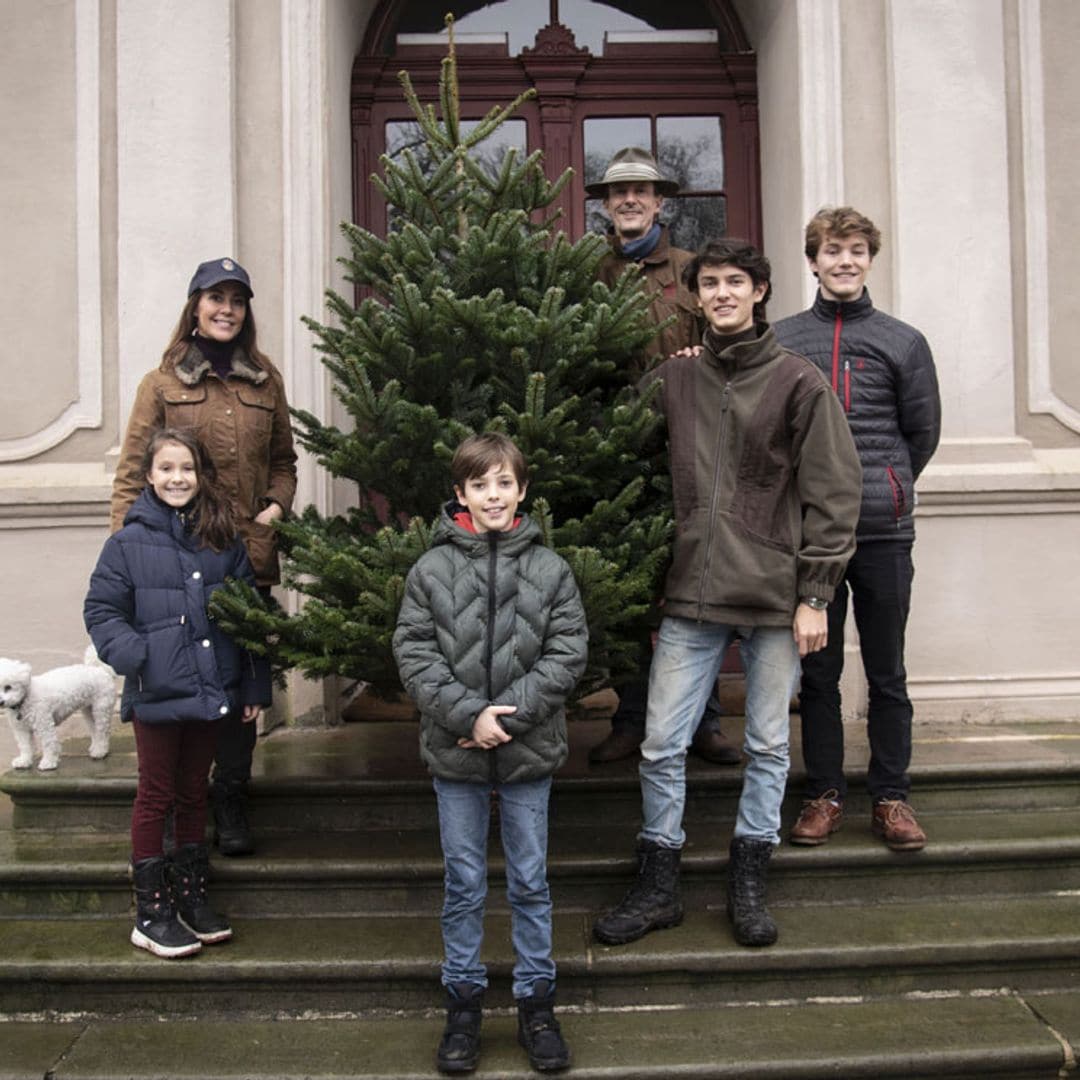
(618, 745)
(894, 821)
(819, 818)
(713, 745)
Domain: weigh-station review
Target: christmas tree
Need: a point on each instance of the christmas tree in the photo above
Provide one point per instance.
(477, 315)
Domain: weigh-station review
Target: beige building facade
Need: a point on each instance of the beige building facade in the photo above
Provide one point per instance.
(145, 137)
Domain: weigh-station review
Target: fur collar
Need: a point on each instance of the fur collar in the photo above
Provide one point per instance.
(193, 368)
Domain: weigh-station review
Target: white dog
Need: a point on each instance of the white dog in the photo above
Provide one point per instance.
(35, 704)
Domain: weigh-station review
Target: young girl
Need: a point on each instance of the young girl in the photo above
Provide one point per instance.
(146, 611)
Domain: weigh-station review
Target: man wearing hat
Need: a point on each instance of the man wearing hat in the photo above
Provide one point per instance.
(633, 190)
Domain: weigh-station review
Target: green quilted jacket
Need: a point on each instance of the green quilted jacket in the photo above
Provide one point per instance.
(491, 619)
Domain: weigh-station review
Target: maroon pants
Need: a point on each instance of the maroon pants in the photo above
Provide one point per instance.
(174, 763)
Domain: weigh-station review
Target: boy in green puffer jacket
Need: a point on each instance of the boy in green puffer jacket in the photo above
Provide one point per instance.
(490, 640)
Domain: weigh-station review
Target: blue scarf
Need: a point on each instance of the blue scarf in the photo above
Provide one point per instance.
(643, 245)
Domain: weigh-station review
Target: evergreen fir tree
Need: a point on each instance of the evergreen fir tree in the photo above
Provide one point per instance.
(478, 315)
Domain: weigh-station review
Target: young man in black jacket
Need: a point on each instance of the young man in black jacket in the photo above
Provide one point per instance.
(883, 373)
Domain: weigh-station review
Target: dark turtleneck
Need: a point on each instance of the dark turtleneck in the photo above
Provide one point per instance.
(719, 342)
(218, 353)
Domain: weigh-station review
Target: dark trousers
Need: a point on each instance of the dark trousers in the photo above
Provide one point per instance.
(235, 749)
(174, 761)
(879, 580)
(236, 743)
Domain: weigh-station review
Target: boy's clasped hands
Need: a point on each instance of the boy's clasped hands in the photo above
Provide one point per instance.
(487, 732)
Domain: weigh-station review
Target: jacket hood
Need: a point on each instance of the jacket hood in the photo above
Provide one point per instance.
(150, 511)
(477, 545)
(194, 367)
(849, 309)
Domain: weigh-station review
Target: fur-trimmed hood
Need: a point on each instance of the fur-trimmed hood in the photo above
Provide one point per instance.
(194, 366)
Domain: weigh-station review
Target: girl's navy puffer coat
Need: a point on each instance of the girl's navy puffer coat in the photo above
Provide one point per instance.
(146, 614)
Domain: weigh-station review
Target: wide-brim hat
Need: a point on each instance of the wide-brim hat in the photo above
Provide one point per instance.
(215, 272)
(630, 164)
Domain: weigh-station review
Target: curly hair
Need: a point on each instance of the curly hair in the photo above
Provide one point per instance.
(841, 222)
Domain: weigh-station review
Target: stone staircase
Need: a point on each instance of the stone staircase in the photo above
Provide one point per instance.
(961, 960)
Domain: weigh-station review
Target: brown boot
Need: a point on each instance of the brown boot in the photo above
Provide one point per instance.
(713, 745)
(819, 818)
(618, 745)
(894, 821)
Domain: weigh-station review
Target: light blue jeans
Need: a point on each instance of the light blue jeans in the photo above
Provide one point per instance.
(684, 668)
(464, 819)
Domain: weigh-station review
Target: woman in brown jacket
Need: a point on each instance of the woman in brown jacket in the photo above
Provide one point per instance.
(214, 380)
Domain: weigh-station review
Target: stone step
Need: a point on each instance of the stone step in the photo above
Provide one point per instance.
(368, 775)
(1004, 1035)
(322, 965)
(400, 870)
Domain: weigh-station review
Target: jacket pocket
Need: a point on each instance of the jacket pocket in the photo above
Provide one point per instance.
(259, 405)
(168, 671)
(899, 495)
(261, 543)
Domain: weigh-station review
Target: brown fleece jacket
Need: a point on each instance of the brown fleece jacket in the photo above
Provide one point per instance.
(766, 482)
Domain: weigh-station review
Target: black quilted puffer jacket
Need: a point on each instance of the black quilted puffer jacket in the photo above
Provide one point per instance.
(491, 619)
(883, 373)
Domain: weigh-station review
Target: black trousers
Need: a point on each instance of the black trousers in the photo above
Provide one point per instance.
(878, 579)
(236, 743)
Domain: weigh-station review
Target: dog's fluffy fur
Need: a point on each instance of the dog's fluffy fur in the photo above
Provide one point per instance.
(35, 704)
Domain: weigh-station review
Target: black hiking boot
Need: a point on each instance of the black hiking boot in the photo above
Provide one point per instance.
(459, 1047)
(538, 1030)
(747, 874)
(157, 928)
(232, 833)
(191, 871)
(653, 901)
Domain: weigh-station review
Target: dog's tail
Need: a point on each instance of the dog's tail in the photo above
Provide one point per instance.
(91, 658)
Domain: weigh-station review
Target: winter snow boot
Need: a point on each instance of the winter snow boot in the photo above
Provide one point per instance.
(747, 872)
(190, 873)
(538, 1030)
(459, 1047)
(653, 901)
(232, 833)
(157, 929)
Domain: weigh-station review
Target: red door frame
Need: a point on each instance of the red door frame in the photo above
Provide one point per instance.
(571, 84)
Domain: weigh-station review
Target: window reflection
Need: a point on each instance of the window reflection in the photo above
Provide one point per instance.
(402, 135)
(690, 149)
(588, 19)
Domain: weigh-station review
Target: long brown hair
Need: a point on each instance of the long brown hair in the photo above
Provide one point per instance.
(180, 341)
(212, 521)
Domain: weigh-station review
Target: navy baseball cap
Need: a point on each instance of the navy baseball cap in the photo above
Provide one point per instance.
(215, 272)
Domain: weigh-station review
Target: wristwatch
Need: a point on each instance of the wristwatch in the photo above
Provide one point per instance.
(815, 602)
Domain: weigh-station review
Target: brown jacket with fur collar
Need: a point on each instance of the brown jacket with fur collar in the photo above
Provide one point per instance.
(243, 421)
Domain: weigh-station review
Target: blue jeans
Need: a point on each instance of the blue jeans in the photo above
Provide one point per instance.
(684, 668)
(464, 819)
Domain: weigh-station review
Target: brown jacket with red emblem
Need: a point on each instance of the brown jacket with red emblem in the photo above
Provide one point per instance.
(243, 421)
